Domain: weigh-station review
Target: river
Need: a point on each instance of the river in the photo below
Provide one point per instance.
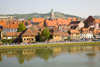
(69, 56)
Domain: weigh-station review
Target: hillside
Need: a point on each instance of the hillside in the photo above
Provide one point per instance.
(46, 15)
(97, 17)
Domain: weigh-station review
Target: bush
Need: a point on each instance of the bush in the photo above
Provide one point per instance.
(7, 41)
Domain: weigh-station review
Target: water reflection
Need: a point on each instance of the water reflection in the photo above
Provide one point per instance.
(46, 53)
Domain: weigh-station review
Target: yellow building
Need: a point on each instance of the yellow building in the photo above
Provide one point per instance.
(58, 35)
(28, 35)
(75, 34)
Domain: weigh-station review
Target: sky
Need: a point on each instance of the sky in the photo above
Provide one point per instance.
(82, 8)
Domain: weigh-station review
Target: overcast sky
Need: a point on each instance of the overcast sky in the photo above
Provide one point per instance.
(82, 8)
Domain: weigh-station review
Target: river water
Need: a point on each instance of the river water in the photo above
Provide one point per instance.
(69, 56)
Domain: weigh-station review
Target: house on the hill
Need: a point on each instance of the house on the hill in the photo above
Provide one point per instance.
(76, 25)
(92, 22)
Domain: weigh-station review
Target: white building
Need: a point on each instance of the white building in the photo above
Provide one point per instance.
(86, 33)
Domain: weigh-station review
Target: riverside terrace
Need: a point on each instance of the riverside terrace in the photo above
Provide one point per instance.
(47, 44)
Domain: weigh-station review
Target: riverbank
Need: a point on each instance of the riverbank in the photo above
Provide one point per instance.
(3, 47)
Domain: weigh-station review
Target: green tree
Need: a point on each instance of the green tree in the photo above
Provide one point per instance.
(68, 38)
(44, 53)
(45, 33)
(38, 37)
(21, 27)
(29, 19)
(7, 41)
(86, 24)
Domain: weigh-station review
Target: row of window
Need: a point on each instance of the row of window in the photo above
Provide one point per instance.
(28, 39)
(74, 37)
(86, 31)
(76, 34)
(13, 29)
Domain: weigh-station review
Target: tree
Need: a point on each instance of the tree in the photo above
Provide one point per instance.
(21, 27)
(38, 37)
(29, 19)
(86, 24)
(45, 33)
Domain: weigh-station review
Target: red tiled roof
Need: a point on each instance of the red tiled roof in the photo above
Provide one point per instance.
(38, 19)
(51, 23)
(13, 33)
(74, 31)
(86, 30)
(59, 33)
(29, 32)
(96, 31)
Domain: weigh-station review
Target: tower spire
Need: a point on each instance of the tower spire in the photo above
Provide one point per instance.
(52, 16)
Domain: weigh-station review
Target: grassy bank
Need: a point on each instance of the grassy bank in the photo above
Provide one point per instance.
(46, 45)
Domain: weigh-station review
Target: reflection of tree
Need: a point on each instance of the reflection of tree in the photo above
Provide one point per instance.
(44, 53)
(0, 57)
(91, 55)
(20, 57)
(21, 60)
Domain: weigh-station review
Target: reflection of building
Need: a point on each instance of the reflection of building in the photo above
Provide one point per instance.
(87, 48)
(96, 48)
(28, 52)
(1, 57)
(74, 49)
(57, 50)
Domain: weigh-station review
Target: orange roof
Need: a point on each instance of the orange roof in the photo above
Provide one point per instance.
(29, 32)
(59, 33)
(74, 31)
(26, 21)
(9, 24)
(38, 19)
(13, 33)
(96, 31)
(13, 26)
(51, 23)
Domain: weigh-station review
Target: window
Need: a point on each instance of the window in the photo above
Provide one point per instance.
(26, 23)
(24, 39)
(77, 34)
(15, 29)
(32, 39)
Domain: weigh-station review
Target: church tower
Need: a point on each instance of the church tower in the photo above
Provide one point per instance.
(52, 16)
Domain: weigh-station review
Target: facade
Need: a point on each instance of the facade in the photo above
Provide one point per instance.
(86, 33)
(95, 25)
(75, 34)
(28, 36)
(13, 35)
(58, 35)
(97, 33)
(76, 25)
(93, 22)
